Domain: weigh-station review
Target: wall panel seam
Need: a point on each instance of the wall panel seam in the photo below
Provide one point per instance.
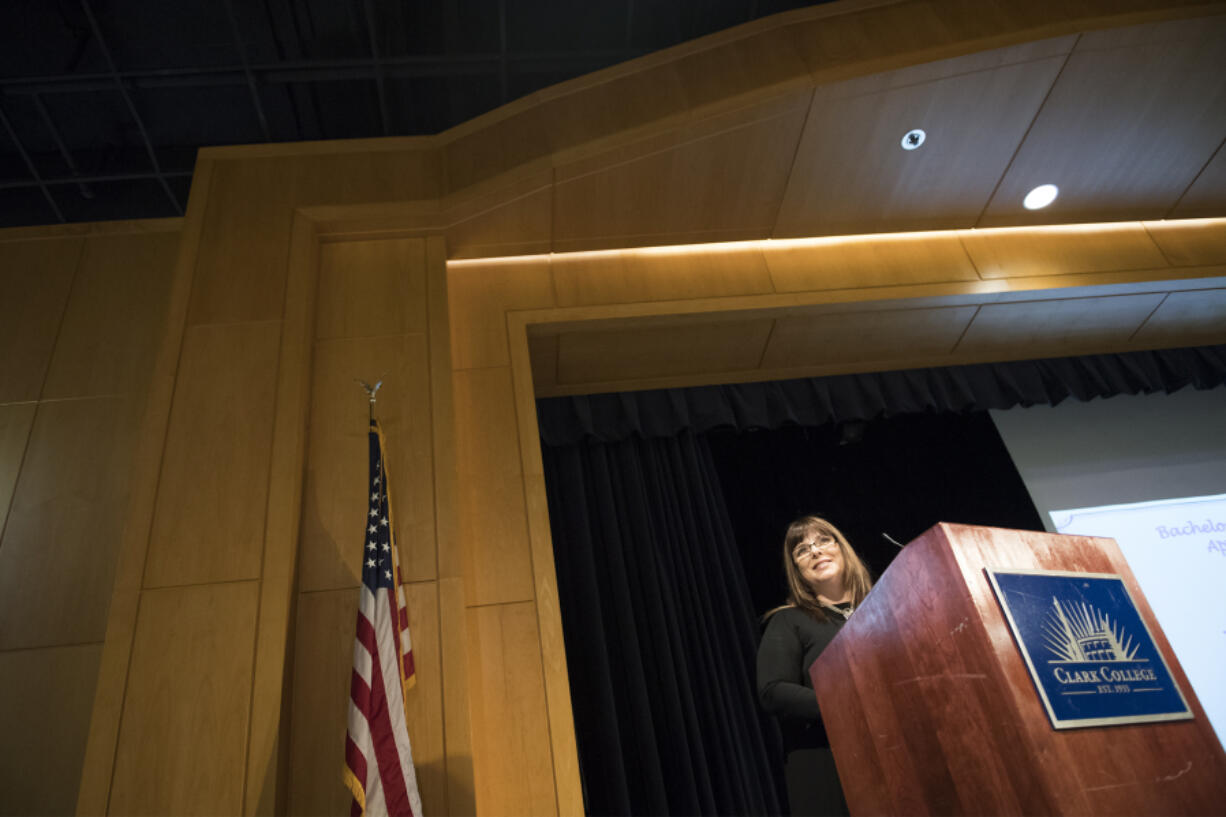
(1174, 207)
(791, 174)
(77, 397)
(388, 336)
(965, 329)
(1158, 245)
(202, 583)
(25, 450)
(970, 259)
(677, 146)
(1151, 314)
(766, 344)
(123, 700)
(502, 603)
(967, 73)
(162, 587)
(224, 324)
(1038, 111)
(9, 650)
(480, 368)
(59, 328)
(446, 208)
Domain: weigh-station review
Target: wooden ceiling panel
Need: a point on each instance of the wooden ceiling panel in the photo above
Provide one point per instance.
(625, 148)
(851, 174)
(925, 72)
(626, 99)
(1060, 250)
(865, 261)
(520, 141)
(722, 187)
(766, 59)
(1186, 319)
(634, 354)
(1024, 329)
(863, 336)
(516, 219)
(1134, 117)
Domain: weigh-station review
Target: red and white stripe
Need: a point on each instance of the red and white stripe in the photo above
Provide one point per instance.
(378, 754)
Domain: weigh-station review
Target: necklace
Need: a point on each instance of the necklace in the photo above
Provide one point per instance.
(844, 609)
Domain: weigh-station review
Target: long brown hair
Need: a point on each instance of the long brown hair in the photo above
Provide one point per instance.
(800, 594)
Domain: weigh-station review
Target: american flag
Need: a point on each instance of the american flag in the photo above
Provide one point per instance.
(378, 757)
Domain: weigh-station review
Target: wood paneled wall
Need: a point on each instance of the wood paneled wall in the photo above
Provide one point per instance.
(81, 309)
(373, 322)
(243, 540)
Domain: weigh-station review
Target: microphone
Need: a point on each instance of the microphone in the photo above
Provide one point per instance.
(892, 540)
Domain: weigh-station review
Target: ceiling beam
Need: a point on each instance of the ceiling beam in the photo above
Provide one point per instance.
(127, 98)
(84, 189)
(503, 81)
(374, 55)
(25, 157)
(242, 55)
(298, 71)
(93, 178)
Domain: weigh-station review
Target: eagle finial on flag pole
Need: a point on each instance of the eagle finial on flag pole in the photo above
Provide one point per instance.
(371, 390)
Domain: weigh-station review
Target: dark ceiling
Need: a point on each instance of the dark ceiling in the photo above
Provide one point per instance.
(103, 103)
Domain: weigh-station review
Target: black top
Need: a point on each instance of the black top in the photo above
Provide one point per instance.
(792, 641)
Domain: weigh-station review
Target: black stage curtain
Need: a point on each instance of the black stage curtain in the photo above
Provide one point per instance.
(816, 401)
(661, 634)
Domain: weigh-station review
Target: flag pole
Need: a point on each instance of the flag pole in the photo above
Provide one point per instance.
(378, 750)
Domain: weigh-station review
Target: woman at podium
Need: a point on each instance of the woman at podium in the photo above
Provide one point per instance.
(826, 581)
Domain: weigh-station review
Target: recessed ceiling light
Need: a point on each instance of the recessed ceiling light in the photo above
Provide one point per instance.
(1040, 197)
(913, 139)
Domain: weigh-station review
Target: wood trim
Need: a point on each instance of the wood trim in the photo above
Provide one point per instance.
(98, 766)
(442, 411)
(452, 616)
(569, 786)
(457, 725)
(556, 320)
(263, 792)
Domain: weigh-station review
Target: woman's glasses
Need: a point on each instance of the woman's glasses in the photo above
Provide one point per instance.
(820, 544)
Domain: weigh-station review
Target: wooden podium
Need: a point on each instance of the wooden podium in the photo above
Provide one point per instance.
(930, 707)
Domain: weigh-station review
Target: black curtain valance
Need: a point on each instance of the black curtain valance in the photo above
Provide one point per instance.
(840, 398)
